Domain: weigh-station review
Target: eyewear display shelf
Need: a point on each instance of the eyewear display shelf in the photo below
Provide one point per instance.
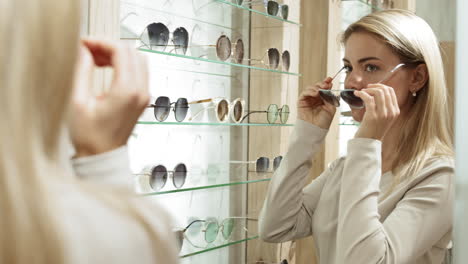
(220, 180)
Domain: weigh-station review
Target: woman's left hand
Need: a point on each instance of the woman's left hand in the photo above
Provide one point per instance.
(381, 111)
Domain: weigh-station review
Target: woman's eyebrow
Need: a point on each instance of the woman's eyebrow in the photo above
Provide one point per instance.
(362, 60)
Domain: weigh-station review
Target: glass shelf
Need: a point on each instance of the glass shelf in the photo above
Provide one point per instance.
(206, 187)
(213, 124)
(218, 247)
(344, 124)
(218, 62)
(175, 15)
(227, 2)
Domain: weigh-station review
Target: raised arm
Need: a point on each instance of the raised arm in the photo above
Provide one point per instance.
(288, 207)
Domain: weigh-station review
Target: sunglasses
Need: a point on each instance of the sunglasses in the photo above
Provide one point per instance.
(223, 109)
(225, 49)
(157, 176)
(272, 59)
(333, 96)
(210, 228)
(262, 164)
(162, 107)
(273, 8)
(157, 35)
(272, 113)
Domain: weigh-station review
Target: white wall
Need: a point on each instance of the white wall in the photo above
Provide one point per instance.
(461, 136)
(440, 14)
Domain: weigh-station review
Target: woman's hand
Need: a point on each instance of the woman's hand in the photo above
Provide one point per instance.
(311, 107)
(105, 122)
(382, 110)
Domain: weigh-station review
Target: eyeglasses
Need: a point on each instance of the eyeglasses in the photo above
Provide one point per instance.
(262, 164)
(223, 109)
(333, 96)
(162, 107)
(272, 113)
(157, 176)
(273, 8)
(272, 58)
(211, 229)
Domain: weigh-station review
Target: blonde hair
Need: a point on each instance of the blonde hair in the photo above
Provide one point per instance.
(37, 57)
(37, 65)
(428, 132)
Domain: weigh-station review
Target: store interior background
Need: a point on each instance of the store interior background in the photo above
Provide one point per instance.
(311, 36)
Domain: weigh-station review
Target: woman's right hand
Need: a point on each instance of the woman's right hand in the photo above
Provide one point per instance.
(311, 107)
(105, 122)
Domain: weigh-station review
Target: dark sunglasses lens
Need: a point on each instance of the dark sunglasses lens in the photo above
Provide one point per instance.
(273, 58)
(272, 8)
(223, 48)
(329, 97)
(158, 177)
(262, 164)
(228, 226)
(284, 115)
(158, 35)
(277, 162)
(285, 12)
(180, 175)
(223, 110)
(162, 108)
(211, 232)
(349, 97)
(239, 51)
(272, 113)
(286, 57)
(238, 110)
(181, 39)
(181, 109)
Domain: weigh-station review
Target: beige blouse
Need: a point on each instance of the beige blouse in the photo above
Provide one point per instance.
(99, 231)
(344, 208)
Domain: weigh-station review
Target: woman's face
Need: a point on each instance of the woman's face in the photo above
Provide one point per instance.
(368, 61)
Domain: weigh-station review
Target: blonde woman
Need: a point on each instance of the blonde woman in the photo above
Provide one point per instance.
(51, 214)
(390, 199)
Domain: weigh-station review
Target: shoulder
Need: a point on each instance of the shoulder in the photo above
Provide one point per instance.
(105, 222)
(436, 169)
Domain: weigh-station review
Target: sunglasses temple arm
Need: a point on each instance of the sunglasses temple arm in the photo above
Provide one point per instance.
(265, 2)
(242, 162)
(253, 112)
(243, 217)
(199, 112)
(336, 74)
(193, 222)
(390, 74)
(201, 101)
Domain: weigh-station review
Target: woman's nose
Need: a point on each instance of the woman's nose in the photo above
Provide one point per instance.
(354, 80)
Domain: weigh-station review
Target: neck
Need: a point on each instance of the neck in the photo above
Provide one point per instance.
(390, 143)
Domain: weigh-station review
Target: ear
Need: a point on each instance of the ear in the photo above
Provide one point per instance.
(419, 78)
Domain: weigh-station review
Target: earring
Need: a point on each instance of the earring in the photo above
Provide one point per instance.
(414, 94)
